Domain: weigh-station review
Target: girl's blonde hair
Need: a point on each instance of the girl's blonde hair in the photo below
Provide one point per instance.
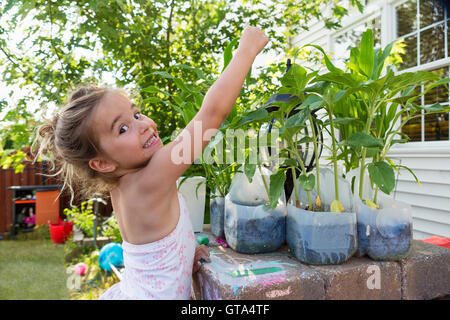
(70, 142)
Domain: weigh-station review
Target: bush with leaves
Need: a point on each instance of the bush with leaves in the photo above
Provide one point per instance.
(83, 217)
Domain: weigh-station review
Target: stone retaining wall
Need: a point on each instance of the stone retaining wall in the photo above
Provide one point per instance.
(424, 274)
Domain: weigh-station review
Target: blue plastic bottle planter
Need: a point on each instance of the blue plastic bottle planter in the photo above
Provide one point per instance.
(385, 233)
(254, 229)
(321, 237)
(217, 216)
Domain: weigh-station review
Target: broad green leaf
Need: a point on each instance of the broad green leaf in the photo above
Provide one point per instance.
(163, 74)
(360, 139)
(228, 52)
(382, 174)
(328, 63)
(437, 83)
(312, 101)
(277, 181)
(249, 170)
(345, 79)
(289, 162)
(307, 183)
(437, 107)
(153, 89)
(294, 78)
(366, 52)
(293, 124)
(378, 68)
(253, 116)
(218, 138)
(180, 84)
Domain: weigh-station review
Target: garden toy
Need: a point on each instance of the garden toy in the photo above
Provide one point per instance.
(80, 268)
(111, 253)
(202, 240)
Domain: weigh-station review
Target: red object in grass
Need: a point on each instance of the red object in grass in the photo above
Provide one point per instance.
(439, 241)
(60, 232)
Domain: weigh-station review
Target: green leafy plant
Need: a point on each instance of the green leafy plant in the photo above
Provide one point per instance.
(110, 229)
(82, 217)
(290, 118)
(370, 105)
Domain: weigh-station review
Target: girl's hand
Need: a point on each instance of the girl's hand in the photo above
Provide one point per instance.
(201, 252)
(252, 41)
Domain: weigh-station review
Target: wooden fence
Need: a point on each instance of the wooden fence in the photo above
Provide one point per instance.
(32, 175)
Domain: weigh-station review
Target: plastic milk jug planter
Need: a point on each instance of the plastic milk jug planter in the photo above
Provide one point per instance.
(254, 229)
(217, 216)
(251, 225)
(195, 199)
(323, 237)
(385, 233)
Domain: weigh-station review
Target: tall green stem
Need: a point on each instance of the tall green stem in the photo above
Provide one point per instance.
(375, 195)
(294, 180)
(333, 140)
(300, 161)
(264, 180)
(363, 156)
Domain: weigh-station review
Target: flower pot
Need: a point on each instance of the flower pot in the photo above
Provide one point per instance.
(195, 199)
(385, 233)
(254, 229)
(217, 216)
(321, 237)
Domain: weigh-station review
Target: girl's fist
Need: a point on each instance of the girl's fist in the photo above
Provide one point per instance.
(201, 252)
(253, 40)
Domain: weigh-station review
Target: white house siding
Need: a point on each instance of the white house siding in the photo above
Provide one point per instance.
(430, 161)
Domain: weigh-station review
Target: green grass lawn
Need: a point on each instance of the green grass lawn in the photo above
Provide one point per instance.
(32, 269)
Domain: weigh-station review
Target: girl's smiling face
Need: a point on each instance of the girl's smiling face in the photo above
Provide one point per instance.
(127, 139)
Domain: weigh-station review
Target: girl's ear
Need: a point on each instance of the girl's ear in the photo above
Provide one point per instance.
(101, 165)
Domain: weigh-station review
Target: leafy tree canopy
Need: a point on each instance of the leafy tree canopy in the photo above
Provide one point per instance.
(137, 43)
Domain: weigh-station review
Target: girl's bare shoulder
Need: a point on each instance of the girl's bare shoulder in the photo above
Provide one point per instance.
(144, 216)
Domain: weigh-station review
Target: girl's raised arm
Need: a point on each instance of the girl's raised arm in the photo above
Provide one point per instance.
(171, 161)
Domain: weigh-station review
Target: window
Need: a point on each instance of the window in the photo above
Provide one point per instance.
(423, 26)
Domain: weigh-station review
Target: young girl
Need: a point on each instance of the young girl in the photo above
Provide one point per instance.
(104, 144)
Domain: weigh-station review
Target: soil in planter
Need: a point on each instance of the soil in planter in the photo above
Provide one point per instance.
(318, 242)
(254, 229)
(378, 247)
(384, 234)
(257, 235)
